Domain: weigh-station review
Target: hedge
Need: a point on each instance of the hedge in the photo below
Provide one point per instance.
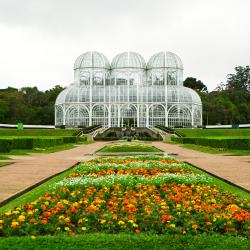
(7, 144)
(230, 143)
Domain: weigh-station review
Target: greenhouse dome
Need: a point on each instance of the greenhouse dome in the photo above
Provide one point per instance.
(128, 93)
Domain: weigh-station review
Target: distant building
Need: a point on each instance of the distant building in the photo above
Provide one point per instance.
(128, 92)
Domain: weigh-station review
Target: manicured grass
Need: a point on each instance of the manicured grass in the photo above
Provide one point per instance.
(215, 132)
(2, 164)
(3, 157)
(216, 150)
(108, 149)
(46, 150)
(126, 241)
(37, 132)
(134, 146)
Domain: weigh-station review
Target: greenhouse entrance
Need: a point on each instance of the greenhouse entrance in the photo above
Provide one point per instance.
(129, 122)
(128, 116)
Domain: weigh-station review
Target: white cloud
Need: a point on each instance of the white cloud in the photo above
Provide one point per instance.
(40, 39)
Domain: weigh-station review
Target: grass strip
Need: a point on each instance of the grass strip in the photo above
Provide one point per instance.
(126, 241)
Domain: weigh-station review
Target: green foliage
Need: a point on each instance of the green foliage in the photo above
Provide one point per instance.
(195, 84)
(38, 132)
(5, 145)
(22, 143)
(240, 80)
(29, 105)
(229, 103)
(126, 241)
(229, 143)
(214, 132)
(108, 149)
(9, 143)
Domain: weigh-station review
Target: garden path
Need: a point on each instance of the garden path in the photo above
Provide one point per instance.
(28, 171)
(235, 169)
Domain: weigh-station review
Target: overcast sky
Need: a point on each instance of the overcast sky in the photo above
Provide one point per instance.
(40, 39)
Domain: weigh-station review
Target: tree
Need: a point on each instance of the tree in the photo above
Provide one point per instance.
(195, 84)
(240, 80)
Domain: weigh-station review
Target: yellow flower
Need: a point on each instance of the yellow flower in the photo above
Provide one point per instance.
(121, 222)
(135, 225)
(102, 221)
(172, 225)
(14, 224)
(1, 221)
(21, 218)
(84, 228)
(33, 237)
(65, 202)
(75, 204)
(67, 229)
(8, 213)
(58, 228)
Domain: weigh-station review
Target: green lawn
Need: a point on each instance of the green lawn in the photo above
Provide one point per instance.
(126, 241)
(215, 132)
(2, 164)
(211, 150)
(127, 147)
(108, 149)
(37, 132)
(47, 150)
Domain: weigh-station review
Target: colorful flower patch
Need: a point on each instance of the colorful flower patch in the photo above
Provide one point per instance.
(103, 197)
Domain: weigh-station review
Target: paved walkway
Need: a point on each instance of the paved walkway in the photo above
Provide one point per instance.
(26, 171)
(235, 169)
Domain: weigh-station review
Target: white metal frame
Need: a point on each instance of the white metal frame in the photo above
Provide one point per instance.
(149, 94)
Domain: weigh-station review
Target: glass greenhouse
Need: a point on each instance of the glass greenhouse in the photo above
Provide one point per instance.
(128, 92)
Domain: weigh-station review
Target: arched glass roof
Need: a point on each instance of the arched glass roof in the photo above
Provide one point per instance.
(165, 59)
(128, 60)
(91, 59)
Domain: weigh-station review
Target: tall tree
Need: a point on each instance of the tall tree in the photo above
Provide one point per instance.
(195, 84)
(240, 80)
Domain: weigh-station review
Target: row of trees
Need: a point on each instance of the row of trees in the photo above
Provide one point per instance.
(228, 104)
(29, 105)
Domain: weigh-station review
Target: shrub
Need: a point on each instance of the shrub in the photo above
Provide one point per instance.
(230, 143)
(5, 145)
(41, 142)
(22, 143)
(69, 139)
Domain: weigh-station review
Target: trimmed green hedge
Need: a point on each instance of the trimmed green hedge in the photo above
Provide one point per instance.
(9, 143)
(230, 143)
(5, 145)
(22, 143)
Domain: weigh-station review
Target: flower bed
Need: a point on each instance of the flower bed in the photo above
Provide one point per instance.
(134, 195)
(121, 147)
